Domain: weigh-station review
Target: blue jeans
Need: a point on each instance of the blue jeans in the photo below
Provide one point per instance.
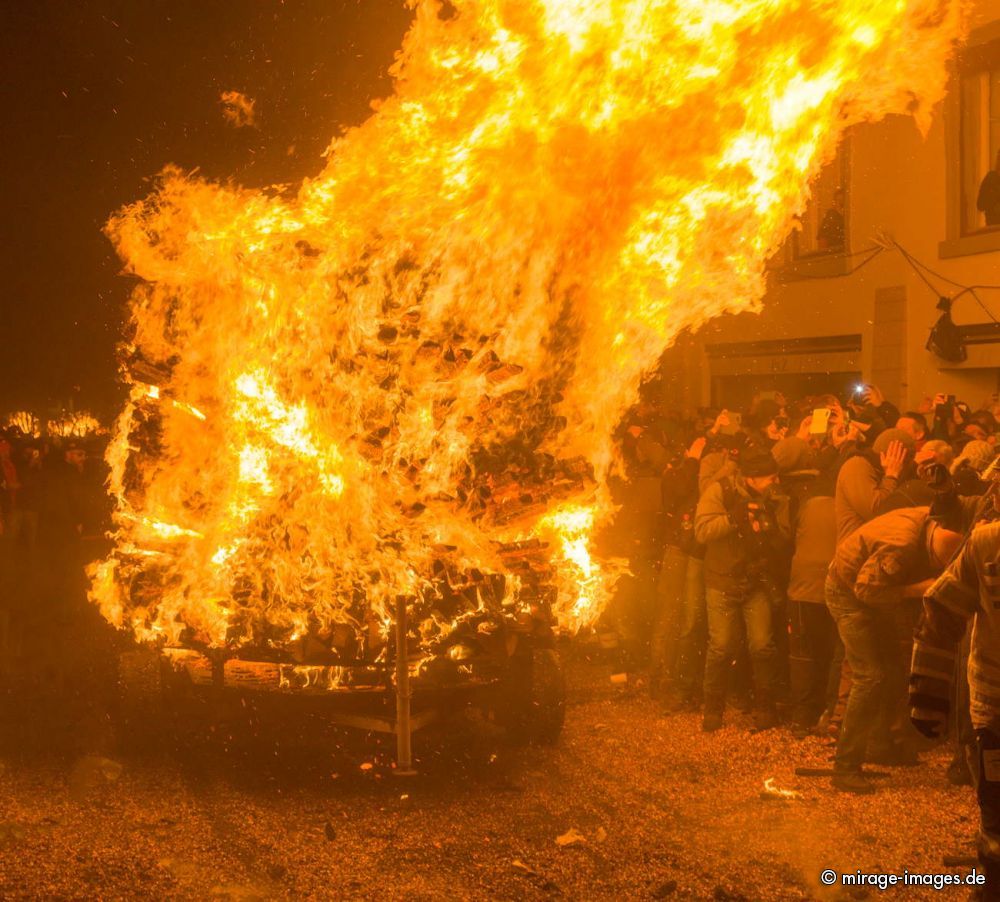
(813, 677)
(729, 617)
(871, 646)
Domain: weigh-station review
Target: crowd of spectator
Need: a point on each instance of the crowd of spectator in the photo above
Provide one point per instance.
(799, 547)
(52, 498)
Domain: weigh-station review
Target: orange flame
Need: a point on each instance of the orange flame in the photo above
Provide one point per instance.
(348, 375)
(73, 424)
(25, 423)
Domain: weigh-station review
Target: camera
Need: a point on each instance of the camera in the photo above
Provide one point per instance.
(760, 518)
(936, 476)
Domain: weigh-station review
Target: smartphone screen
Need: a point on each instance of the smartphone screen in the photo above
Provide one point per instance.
(820, 421)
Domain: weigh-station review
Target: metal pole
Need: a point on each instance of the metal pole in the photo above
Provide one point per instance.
(404, 748)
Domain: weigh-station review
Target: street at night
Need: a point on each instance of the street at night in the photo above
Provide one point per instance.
(500, 449)
(662, 811)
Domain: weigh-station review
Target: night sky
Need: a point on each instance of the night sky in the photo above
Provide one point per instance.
(98, 96)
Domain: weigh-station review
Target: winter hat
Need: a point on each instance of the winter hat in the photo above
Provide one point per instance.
(979, 456)
(887, 436)
(792, 453)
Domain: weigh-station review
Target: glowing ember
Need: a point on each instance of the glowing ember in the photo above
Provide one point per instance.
(772, 791)
(237, 109)
(405, 376)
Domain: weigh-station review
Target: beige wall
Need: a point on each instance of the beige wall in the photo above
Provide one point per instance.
(899, 185)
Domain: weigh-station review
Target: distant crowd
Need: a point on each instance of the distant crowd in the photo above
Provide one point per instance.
(52, 494)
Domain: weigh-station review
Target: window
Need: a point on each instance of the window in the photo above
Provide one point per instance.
(972, 145)
(823, 225)
(818, 245)
(979, 118)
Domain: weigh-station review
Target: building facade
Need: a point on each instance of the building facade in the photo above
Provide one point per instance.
(836, 314)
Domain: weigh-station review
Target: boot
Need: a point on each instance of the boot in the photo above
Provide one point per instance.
(676, 703)
(826, 727)
(991, 871)
(711, 722)
(743, 702)
(712, 717)
(765, 718)
(958, 772)
(853, 782)
(765, 714)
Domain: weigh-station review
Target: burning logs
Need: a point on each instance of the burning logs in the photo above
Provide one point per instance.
(453, 456)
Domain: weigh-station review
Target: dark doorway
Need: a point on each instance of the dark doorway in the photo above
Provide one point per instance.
(736, 392)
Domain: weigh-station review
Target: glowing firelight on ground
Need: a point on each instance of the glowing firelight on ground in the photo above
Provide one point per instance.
(333, 385)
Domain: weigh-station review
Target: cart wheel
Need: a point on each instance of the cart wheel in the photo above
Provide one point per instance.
(533, 702)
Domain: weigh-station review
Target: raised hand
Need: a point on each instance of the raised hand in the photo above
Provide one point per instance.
(893, 459)
(874, 396)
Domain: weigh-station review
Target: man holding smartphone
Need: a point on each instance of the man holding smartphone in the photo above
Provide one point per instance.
(872, 409)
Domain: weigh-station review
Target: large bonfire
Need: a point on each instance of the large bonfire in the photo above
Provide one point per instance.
(402, 378)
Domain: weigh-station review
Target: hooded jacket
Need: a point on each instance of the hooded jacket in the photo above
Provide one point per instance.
(863, 489)
(814, 520)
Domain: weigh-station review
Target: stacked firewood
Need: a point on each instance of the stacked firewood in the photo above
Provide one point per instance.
(506, 486)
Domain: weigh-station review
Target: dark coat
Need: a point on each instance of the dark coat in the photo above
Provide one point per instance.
(988, 200)
(862, 492)
(731, 565)
(679, 487)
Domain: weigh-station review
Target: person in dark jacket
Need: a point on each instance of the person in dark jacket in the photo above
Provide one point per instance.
(917, 487)
(679, 594)
(891, 557)
(722, 451)
(871, 412)
(24, 518)
(831, 234)
(966, 592)
(915, 423)
(866, 481)
(62, 514)
(766, 424)
(971, 463)
(744, 527)
(809, 478)
(988, 199)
